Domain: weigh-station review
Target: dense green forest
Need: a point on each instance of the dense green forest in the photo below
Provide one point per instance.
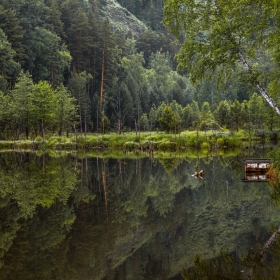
(65, 67)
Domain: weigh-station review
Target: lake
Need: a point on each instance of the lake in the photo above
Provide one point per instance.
(70, 217)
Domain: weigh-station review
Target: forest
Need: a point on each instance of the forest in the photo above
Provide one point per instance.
(66, 68)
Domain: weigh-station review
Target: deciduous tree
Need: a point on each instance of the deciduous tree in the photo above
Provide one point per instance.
(219, 34)
(65, 110)
(20, 104)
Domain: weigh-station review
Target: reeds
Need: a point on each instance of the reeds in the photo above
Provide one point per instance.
(129, 142)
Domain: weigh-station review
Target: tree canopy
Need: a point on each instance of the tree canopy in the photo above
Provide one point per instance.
(225, 36)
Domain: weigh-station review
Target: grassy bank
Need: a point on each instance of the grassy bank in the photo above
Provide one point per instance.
(130, 143)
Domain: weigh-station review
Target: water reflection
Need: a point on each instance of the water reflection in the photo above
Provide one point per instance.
(68, 218)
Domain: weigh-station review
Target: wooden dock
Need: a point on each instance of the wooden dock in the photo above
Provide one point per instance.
(255, 169)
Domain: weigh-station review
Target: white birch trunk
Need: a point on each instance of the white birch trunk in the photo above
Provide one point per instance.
(261, 89)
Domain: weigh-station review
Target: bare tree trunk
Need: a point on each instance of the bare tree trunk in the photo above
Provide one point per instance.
(85, 129)
(119, 127)
(102, 76)
(80, 111)
(136, 127)
(97, 111)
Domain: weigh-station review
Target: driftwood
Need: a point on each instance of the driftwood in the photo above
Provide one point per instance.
(199, 174)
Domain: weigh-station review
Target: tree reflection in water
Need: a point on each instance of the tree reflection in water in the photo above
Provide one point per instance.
(64, 217)
(256, 265)
(263, 264)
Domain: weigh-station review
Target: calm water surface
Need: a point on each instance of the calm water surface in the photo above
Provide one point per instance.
(63, 217)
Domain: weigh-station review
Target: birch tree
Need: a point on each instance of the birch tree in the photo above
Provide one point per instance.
(224, 36)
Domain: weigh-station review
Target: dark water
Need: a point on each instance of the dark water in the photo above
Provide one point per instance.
(63, 217)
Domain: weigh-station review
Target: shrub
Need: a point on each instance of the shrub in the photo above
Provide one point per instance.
(146, 144)
(39, 139)
(167, 145)
(195, 140)
(180, 141)
(130, 145)
(81, 140)
(52, 141)
(221, 141)
(229, 142)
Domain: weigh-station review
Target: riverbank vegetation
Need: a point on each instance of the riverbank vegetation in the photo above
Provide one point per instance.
(147, 142)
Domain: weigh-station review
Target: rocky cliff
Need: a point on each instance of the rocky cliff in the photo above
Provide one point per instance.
(120, 18)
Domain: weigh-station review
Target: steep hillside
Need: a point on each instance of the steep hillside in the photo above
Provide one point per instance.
(121, 18)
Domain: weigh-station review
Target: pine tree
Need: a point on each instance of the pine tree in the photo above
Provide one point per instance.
(11, 26)
(236, 114)
(222, 113)
(50, 58)
(78, 88)
(68, 9)
(94, 42)
(55, 25)
(9, 68)
(108, 62)
(78, 35)
(31, 14)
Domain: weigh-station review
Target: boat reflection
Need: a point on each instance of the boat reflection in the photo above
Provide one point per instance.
(255, 170)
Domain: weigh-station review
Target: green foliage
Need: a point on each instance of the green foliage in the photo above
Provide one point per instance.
(228, 142)
(222, 113)
(130, 145)
(167, 146)
(64, 110)
(39, 139)
(53, 141)
(218, 36)
(195, 139)
(167, 120)
(144, 121)
(275, 155)
(9, 67)
(21, 104)
(78, 88)
(37, 108)
(50, 58)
